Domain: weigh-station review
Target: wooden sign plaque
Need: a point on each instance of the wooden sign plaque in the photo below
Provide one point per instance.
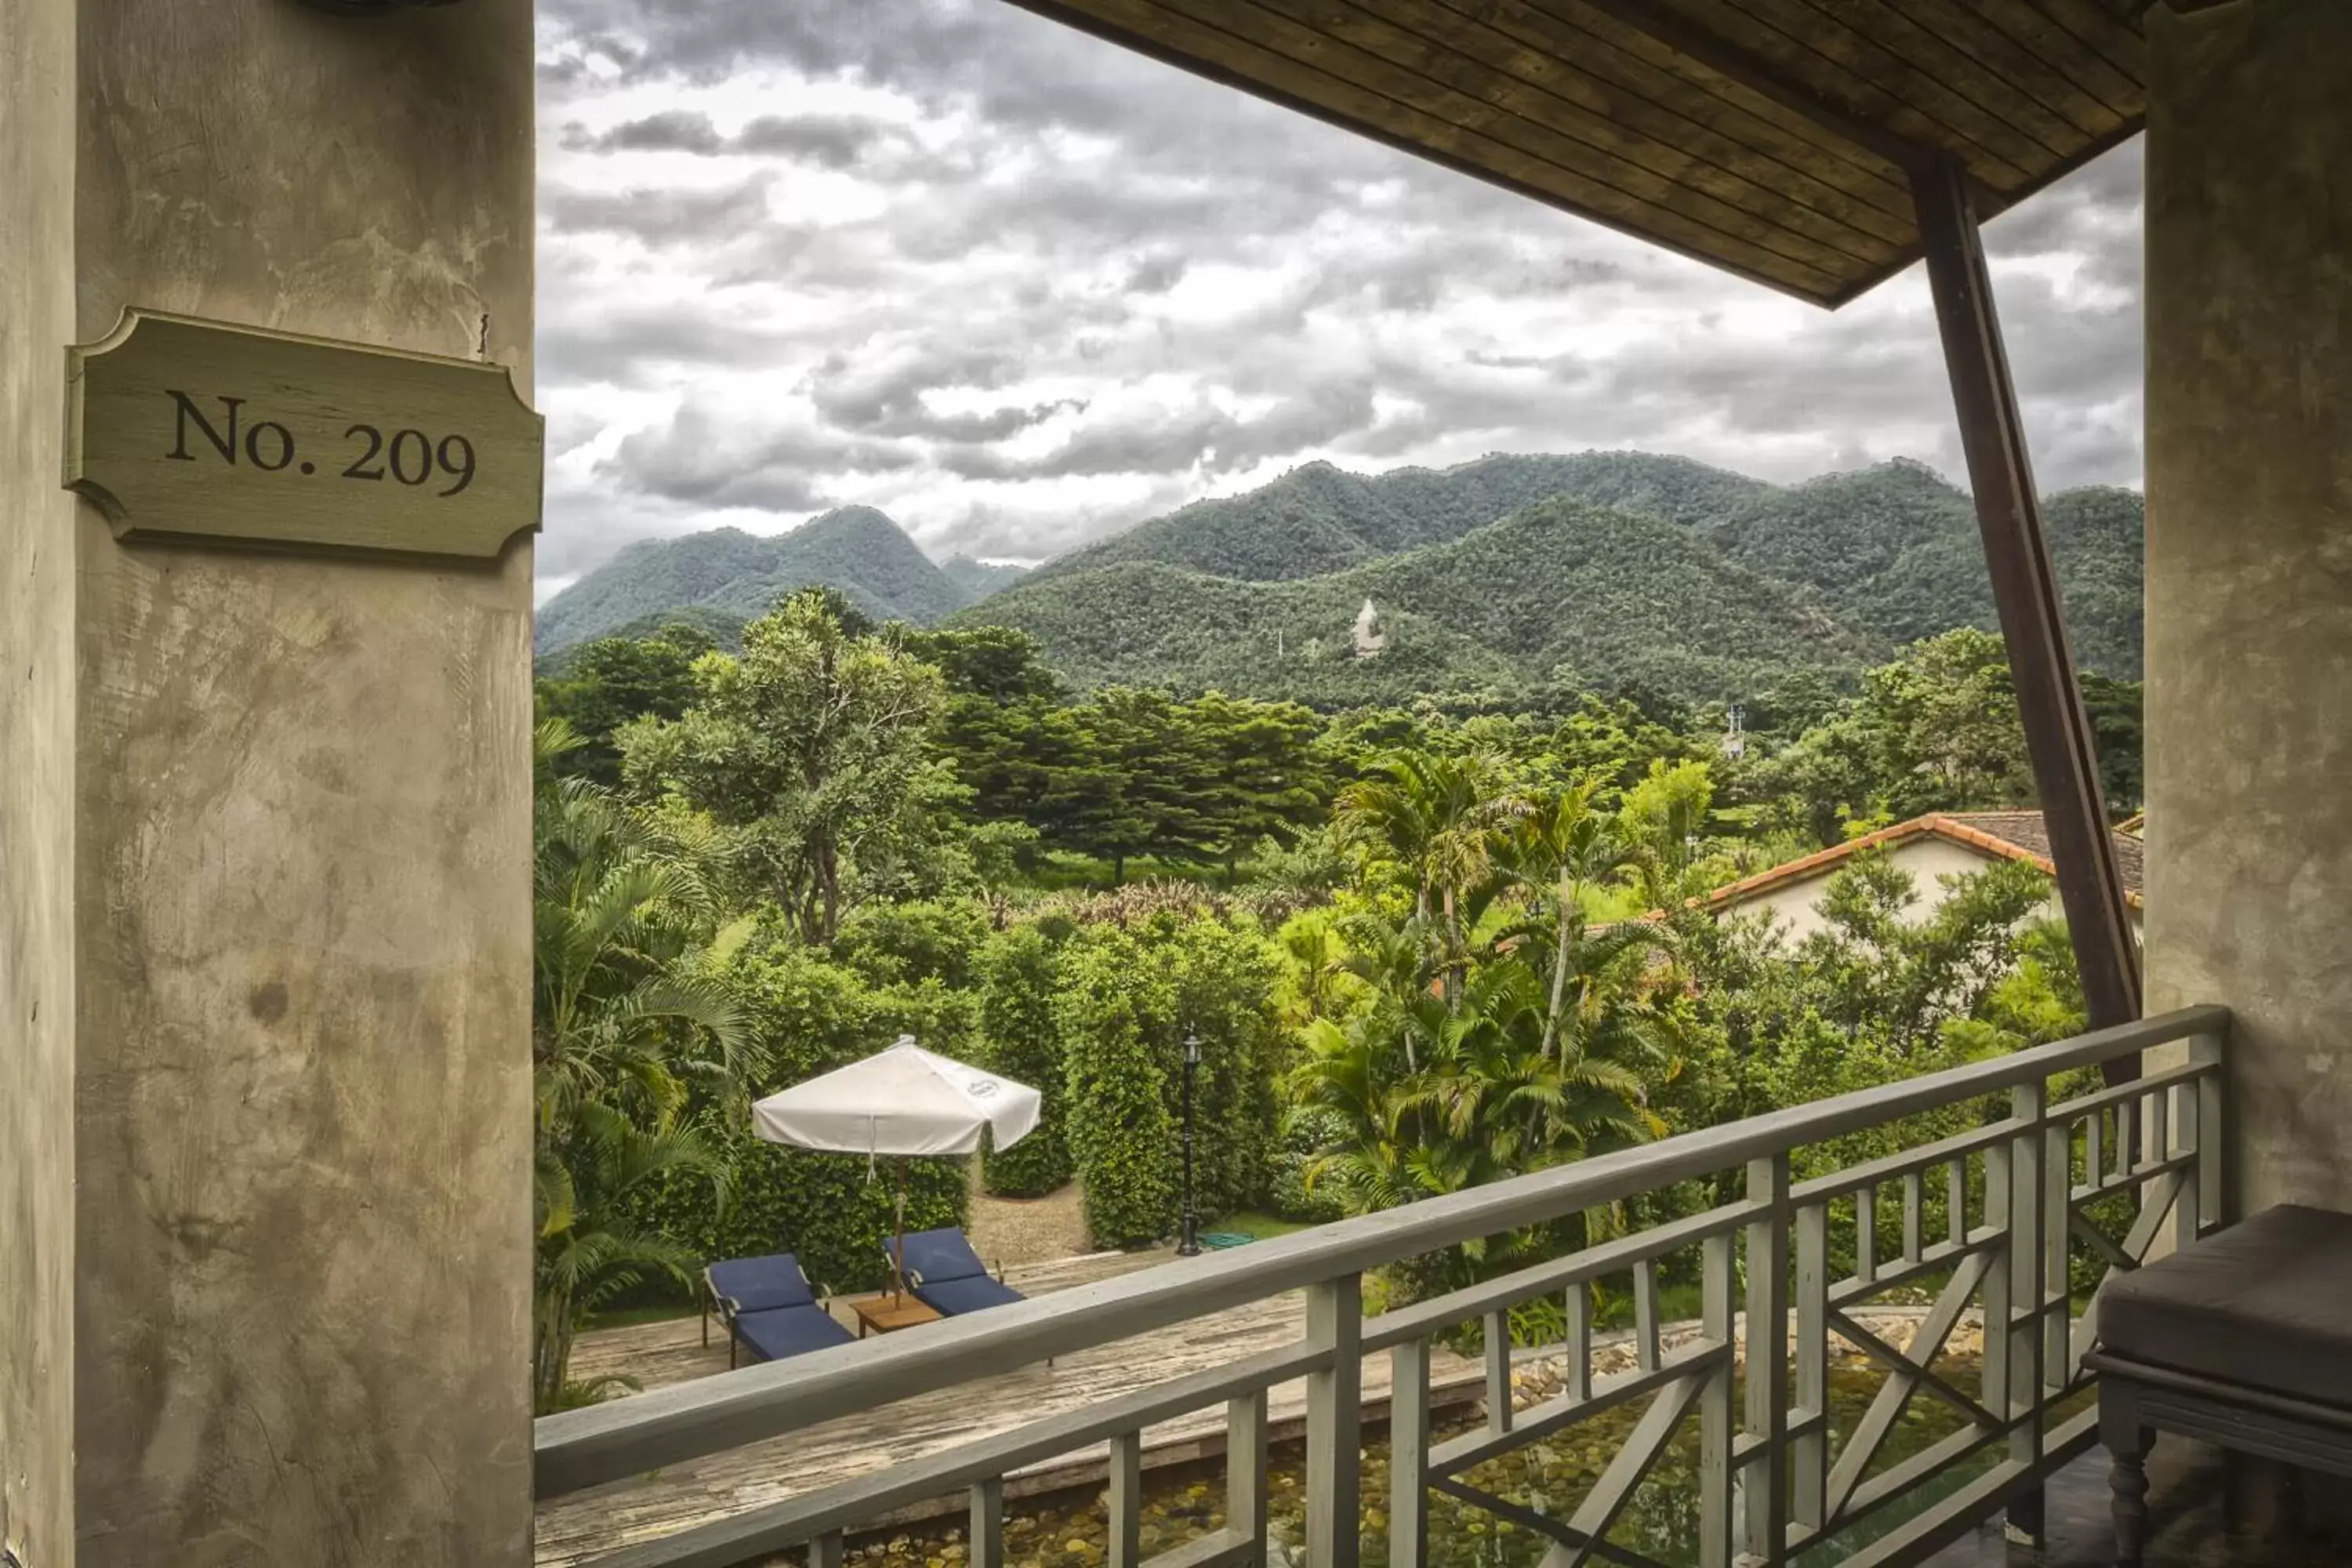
(183, 428)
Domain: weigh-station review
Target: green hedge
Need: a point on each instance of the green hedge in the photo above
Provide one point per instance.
(1128, 999)
(1018, 1037)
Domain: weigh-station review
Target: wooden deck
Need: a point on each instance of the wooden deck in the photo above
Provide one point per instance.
(585, 1525)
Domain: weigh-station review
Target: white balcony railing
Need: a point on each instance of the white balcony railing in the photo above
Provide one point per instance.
(2022, 1193)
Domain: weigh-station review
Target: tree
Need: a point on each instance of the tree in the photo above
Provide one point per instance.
(1436, 819)
(1936, 729)
(615, 679)
(814, 748)
(626, 1023)
(1265, 776)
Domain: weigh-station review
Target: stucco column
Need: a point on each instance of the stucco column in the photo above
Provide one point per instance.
(265, 827)
(2250, 568)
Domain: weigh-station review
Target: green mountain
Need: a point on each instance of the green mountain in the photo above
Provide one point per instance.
(1652, 571)
(1319, 519)
(855, 549)
(1894, 550)
(1558, 591)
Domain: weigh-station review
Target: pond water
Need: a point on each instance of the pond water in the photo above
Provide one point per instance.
(1550, 1476)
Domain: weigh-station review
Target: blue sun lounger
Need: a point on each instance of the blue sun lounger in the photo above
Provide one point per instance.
(947, 1275)
(769, 1308)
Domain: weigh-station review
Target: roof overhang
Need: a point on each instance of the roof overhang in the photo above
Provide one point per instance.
(1776, 139)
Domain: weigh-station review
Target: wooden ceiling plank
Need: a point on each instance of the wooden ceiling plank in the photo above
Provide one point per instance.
(1883, 31)
(1180, 39)
(1828, 179)
(1967, 26)
(1699, 52)
(1866, 41)
(1490, 65)
(2120, 42)
(1306, 48)
(1797, 38)
(2123, 95)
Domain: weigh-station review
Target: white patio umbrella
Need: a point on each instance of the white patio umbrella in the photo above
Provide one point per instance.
(902, 1100)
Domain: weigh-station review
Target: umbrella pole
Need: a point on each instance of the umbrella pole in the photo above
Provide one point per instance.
(898, 1252)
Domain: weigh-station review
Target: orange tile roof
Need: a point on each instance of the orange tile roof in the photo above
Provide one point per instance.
(2003, 835)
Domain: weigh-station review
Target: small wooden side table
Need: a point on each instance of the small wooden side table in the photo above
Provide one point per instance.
(886, 1314)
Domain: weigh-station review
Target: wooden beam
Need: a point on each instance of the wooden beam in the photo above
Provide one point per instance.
(2025, 588)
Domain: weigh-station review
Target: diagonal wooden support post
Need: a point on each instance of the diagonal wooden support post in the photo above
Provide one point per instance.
(2025, 590)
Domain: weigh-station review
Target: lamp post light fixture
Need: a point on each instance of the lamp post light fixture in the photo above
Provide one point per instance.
(1188, 1245)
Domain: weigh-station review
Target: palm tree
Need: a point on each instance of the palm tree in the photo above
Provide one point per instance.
(1560, 847)
(628, 1019)
(1440, 818)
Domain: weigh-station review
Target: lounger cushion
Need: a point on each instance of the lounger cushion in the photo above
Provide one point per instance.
(762, 1284)
(953, 1298)
(936, 1255)
(2266, 1303)
(783, 1331)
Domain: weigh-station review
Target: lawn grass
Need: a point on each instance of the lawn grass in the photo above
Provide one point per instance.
(1255, 1222)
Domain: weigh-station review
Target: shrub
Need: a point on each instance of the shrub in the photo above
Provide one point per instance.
(1019, 1038)
(902, 943)
(1306, 1130)
(1120, 1131)
(1128, 1000)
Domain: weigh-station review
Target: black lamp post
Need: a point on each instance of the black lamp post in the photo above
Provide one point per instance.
(1189, 1244)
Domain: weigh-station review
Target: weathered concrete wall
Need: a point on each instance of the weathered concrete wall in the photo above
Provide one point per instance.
(303, 862)
(2250, 567)
(36, 1011)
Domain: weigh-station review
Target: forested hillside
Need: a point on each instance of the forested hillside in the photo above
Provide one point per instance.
(1895, 550)
(1559, 594)
(1319, 519)
(855, 549)
(1650, 572)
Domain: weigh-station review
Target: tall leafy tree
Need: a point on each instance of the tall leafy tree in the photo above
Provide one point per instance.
(1267, 778)
(814, 748)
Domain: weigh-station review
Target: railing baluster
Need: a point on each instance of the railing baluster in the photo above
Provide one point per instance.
(1335, 1323)
(2056, 1196)
(826, 1550)
(2028, 1300)
(2202, 1196)
(1865, 1235)
(2159, 1127)
(1579, 1305)
(1716, 1423)
(1409, 1455)
(1915, 1215)
(1768, 1362)
(1956, 1202)
(1245, 1467)
(1809, 1450)
(2127, 1138)
(988, 1522)
(2093, 1130)
(2000, 1272)
(1126, 1500)
(1499, 1371)
(1646, 1327)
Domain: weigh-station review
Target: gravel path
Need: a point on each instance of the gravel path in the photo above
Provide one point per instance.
(1028, 1230)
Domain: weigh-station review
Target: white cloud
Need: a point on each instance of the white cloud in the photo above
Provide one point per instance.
(1019, 288)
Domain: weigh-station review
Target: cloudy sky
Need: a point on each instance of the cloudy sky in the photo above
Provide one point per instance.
(1019, 289)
